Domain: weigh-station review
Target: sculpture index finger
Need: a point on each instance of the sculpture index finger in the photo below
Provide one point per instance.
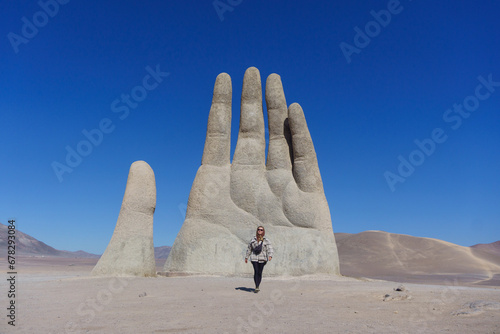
(218, 141)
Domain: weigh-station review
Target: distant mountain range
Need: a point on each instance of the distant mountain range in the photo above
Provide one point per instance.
(493, 248)
(162, 252)
(29, 246)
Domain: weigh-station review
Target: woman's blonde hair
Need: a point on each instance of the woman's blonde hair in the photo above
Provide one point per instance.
(257, 233)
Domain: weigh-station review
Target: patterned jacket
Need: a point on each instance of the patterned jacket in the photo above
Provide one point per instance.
(267, 250)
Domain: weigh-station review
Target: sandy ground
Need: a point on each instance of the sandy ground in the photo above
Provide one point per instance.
(60, 296)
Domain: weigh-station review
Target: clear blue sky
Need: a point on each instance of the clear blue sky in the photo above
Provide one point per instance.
(63, 76)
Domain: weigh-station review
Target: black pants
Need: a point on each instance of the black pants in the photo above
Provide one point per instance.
(258, 267)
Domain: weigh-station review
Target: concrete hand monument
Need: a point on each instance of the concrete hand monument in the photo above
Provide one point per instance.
(130, 251)
(284, 194)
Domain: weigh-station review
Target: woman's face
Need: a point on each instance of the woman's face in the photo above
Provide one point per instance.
(260, 231)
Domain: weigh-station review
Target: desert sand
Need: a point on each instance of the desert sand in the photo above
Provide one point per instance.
(58, 295)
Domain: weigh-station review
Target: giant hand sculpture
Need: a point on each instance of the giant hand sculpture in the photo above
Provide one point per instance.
(228, 201)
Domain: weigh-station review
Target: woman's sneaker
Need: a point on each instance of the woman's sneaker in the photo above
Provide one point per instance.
(257, 290)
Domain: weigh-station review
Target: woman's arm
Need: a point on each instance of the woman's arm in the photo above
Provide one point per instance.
(249, 251)
(270, 250)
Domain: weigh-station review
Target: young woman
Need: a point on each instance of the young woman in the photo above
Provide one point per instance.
(260, 251)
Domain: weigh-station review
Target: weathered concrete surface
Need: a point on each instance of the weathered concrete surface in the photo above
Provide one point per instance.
(130, 251)
(285, 194)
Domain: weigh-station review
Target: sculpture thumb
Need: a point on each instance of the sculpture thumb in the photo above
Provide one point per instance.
(131, 251)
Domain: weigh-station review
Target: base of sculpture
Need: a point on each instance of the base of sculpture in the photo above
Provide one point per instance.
(298, 251)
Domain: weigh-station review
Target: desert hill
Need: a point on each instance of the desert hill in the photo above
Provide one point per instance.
(27, 245)
(162, 252)
(493, 248)
(383, 255)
